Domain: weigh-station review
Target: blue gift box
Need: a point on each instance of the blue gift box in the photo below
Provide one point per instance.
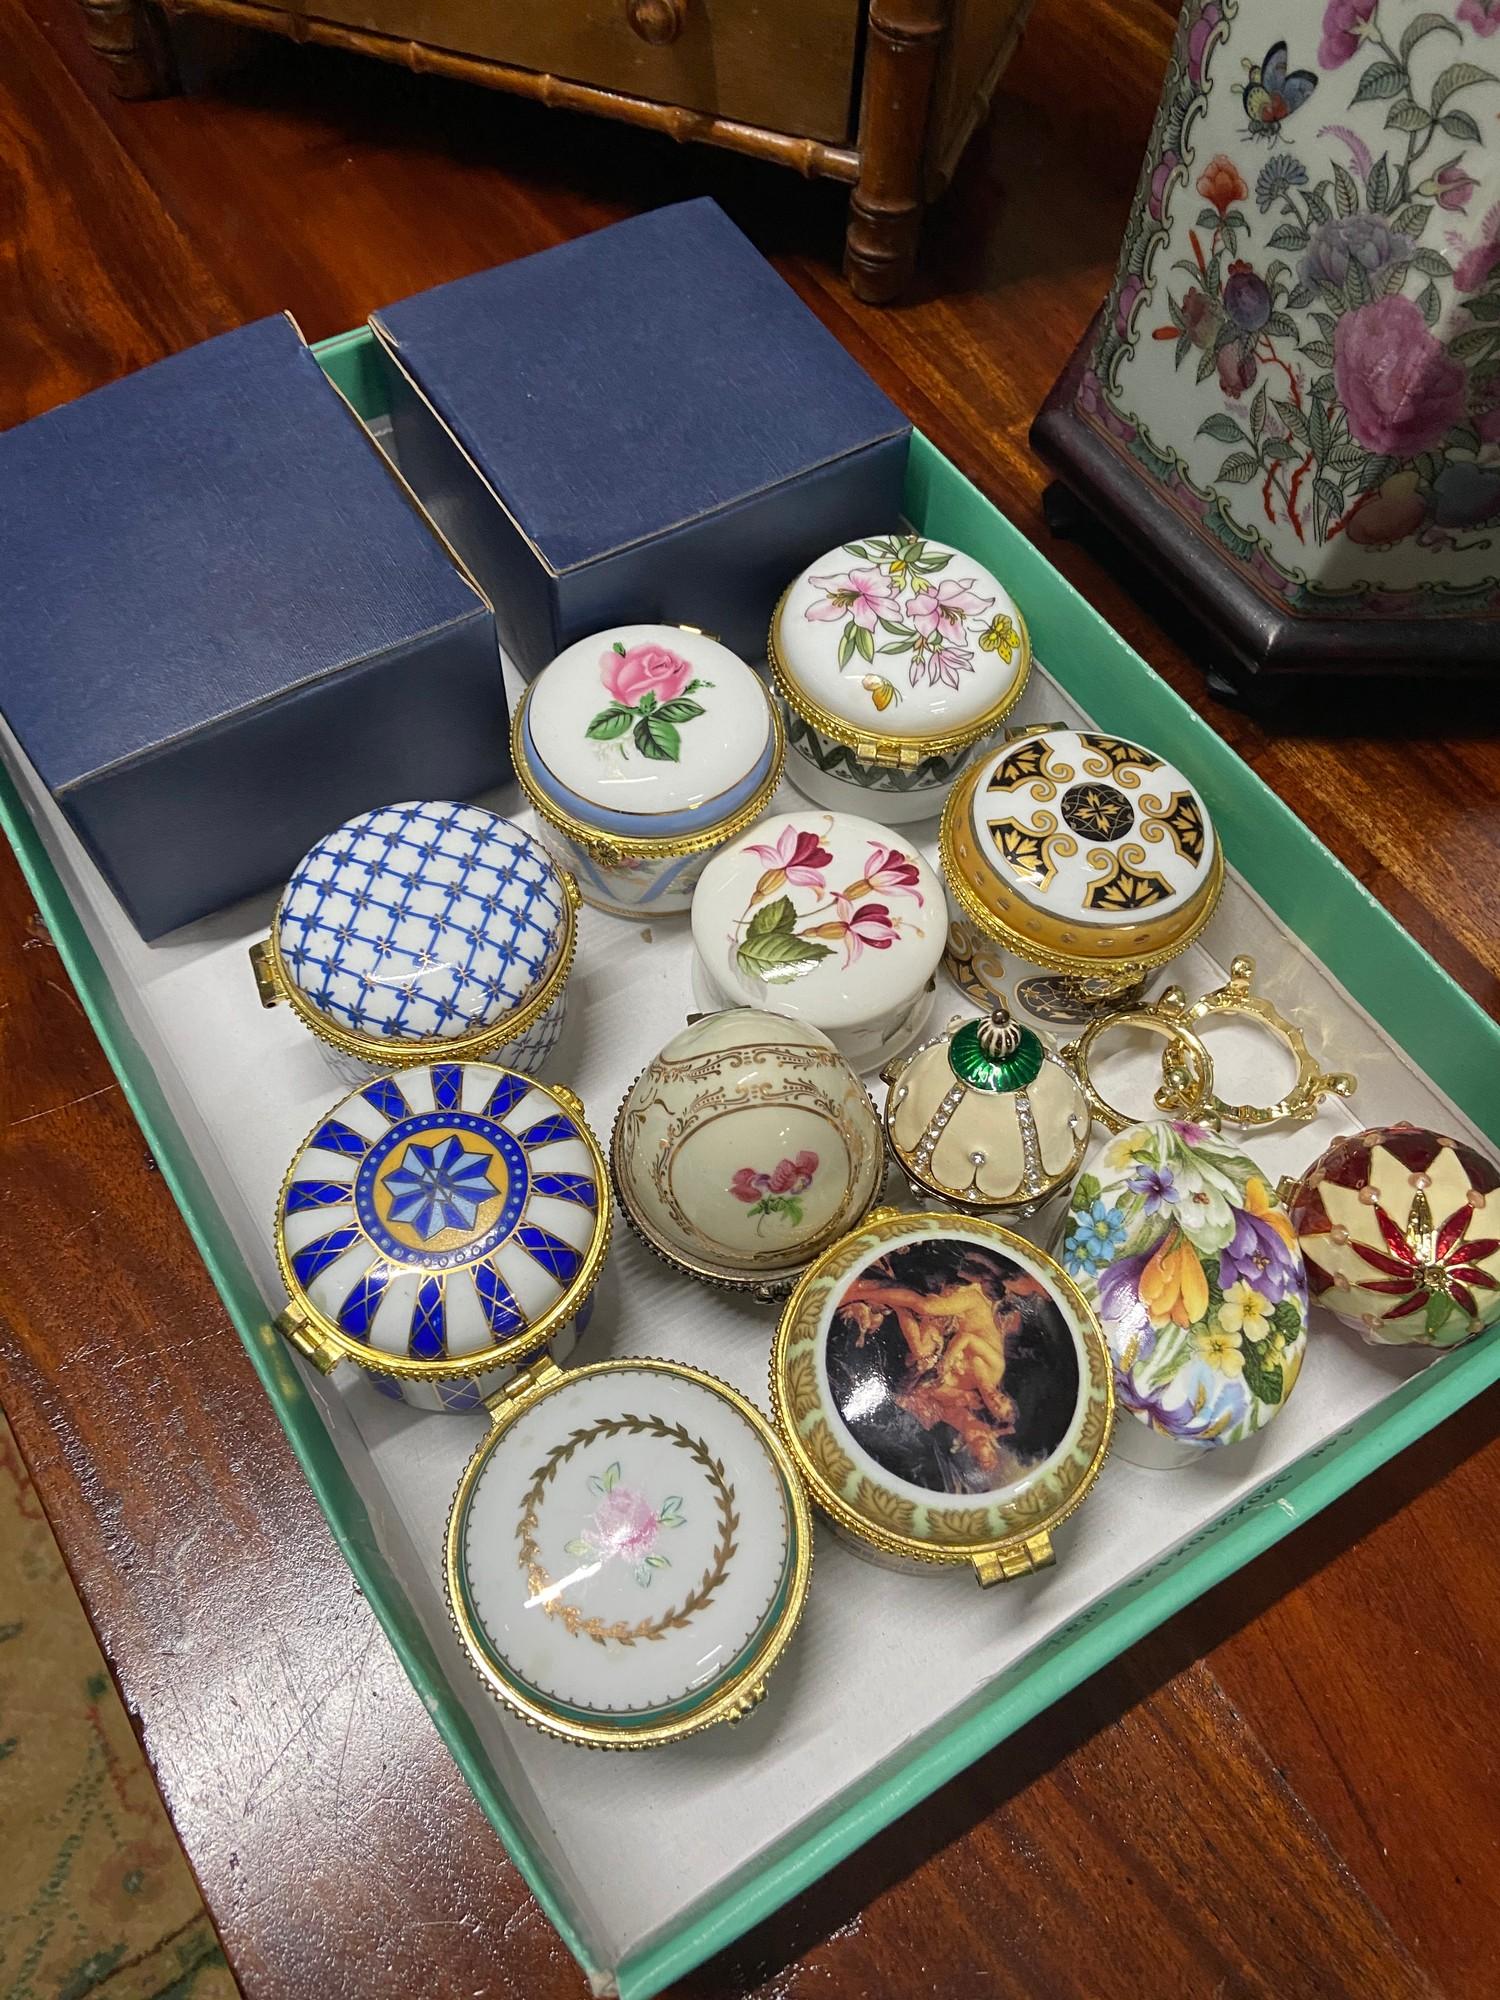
(225, 628)
(643, 425)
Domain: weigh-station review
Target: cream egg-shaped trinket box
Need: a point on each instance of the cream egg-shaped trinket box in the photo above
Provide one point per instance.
(1081, 853)
(439, 1226)
(744, 1148)
(644, 749)
(828, 919)
(893, 658)
(1187, 1254)
(945, 1392)
(987, 1117)
(628, 1553)
(420, 930)
(1400, 1228)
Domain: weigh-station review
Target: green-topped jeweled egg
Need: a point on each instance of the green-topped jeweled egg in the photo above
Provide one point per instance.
(987, 1117)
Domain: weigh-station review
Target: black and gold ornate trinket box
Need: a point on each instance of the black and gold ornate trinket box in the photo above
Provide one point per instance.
(1087, 855)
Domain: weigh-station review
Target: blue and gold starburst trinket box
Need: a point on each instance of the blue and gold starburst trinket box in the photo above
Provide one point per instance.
(439, 1227)
(425, 929)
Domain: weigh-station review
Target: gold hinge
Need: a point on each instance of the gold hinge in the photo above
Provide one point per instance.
(569, 1099)
(997, 1565)
(529, 1382)
(294, 1325)
(1016, 730)
(263, 965)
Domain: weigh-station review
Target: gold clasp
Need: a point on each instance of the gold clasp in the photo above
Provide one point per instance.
(1019, 1559)
(267, 979)
(531, 1381)
(298, 1328)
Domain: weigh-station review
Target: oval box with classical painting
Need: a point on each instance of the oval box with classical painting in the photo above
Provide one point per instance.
(438, 1227)
(1184, 1249)
(829, 919)
(945, 1391)
(1082, 853)
(745, 1147)
(893, 657)
(643, 750)
(420, 930)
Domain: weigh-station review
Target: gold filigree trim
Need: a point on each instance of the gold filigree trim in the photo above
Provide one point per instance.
(621, 1632)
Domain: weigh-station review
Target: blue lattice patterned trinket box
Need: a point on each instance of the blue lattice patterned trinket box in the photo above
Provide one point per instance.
(425, 928)
(439, 1227)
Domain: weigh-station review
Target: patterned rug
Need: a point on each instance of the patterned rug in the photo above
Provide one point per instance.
(96, 1899)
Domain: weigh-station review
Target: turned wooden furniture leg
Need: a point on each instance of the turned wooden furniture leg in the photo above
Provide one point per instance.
(885, 211)
(130, 38)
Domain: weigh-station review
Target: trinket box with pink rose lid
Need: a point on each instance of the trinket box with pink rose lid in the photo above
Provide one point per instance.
(643, 749)
(894, 657)
(831, 919)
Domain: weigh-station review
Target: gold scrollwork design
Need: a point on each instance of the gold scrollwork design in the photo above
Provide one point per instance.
(1111, 757)
(1031, 761)
(1127, 883)
(1032, 851)
(1180, 819)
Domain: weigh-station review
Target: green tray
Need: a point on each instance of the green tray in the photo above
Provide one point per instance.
(1442, 1031)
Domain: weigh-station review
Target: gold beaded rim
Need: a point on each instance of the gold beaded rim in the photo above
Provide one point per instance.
(339, 1346)
(739, 1695)
(1127, 956)
(485, 1040)
(613, 847)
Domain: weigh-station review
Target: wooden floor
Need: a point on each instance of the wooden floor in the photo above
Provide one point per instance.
(1291, 1790)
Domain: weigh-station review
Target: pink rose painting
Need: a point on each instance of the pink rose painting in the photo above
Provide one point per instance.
(929, 618)
(778, 1192)
(1483, 16)
(1401, 389)
(652, 688)
(625, 1527)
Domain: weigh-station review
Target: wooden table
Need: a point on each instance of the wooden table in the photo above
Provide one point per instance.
(1290, 1790)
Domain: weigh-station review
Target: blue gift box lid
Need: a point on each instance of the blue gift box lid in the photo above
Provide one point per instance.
(622, 385)
(194, 541)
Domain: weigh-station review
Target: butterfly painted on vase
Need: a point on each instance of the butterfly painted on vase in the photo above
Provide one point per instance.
(1273, 93)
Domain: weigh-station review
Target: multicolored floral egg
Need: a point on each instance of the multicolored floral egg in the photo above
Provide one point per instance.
(1183, 1248)
(1400, 1231)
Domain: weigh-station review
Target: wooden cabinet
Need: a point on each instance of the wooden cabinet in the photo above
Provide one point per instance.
(882, 94)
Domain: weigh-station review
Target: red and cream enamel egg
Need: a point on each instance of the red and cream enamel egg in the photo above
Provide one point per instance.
(1400, 1231)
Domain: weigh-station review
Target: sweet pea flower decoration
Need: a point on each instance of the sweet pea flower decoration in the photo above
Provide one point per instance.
(778, 1192)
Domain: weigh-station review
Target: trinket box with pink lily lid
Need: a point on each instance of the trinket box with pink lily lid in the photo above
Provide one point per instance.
(643, 749)
(894, 657)
(826, 918)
